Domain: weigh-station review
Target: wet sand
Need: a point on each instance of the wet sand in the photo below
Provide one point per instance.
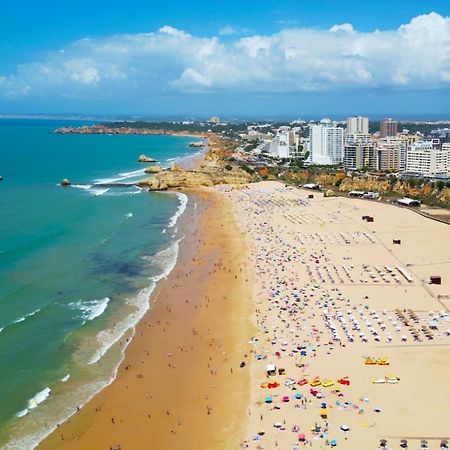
(180, 384)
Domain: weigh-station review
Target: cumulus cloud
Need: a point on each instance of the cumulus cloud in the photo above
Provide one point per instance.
(293, 60)
(347, 27)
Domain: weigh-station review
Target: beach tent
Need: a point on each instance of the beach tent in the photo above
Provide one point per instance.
(271, 369)
(345, 428)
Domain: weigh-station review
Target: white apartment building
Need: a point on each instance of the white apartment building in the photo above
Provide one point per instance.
(326, 143)
(358, 125)
(428, 161)
(280, 145)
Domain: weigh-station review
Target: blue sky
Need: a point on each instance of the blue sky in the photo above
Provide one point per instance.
(250, 58)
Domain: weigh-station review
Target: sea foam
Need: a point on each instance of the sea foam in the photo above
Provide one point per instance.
(35, 401)
(90, 309)
(183, 199)
(166, 260)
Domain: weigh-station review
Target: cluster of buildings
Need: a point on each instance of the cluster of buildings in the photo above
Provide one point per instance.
(352, 145)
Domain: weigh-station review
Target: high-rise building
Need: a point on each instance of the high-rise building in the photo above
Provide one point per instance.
(424, 159)
(281, 146)
(215, 120)
(357, 125)
(391, 154)
(388, 127)
(359, 155)
(326, 143)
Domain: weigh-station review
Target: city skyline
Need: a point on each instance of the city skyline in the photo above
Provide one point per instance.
(293, 60)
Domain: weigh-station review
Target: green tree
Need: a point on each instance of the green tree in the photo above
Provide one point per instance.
(440, 185)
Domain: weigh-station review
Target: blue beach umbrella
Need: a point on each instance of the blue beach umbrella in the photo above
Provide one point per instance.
(298, 396)
(268, 400)
(333, 443)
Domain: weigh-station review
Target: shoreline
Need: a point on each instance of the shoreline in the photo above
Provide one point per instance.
(90, 382)
(78, 430)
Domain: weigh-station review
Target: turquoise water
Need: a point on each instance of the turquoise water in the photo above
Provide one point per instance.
(76, 265)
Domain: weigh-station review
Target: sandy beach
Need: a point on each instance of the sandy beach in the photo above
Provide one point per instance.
(357, 339)
(181, 375)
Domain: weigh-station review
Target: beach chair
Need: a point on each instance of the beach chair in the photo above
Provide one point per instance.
(370, 361)
(344, 381)
(383, 362)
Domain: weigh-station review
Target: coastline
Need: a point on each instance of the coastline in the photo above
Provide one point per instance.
(203, 365)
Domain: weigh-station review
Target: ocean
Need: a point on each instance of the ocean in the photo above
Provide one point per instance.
(77, 265)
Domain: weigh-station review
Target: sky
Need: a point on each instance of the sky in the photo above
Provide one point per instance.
(265, 58)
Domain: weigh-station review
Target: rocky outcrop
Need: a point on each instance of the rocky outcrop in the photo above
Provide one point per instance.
(206, 176)
(145, 159)
(121, 128)
(65, 182)
(153, 169)
(328, 193)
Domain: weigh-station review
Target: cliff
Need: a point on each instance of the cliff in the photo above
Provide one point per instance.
(211, 171)
(103, 129)
(207, 175)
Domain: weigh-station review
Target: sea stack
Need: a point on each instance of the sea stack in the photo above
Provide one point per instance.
(65, 182)
(145, 158)
(153, 169)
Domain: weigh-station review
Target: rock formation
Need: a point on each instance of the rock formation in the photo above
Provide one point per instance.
(65, 182)
(146, 159)
(209, 175)
(153, 169)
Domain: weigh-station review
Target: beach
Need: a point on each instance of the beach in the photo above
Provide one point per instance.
(181, 374)
(352, 342)
(288, 322)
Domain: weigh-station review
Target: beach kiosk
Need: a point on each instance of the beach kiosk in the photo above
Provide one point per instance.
(409, 202)
(435, 279)
(271, 370)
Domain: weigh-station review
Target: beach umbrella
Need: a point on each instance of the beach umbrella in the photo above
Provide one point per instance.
(298, 396)
(301, 437)
(345, 428)
(268, 400)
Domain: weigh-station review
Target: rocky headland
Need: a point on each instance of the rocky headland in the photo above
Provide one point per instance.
(213, 169)
(105, 129)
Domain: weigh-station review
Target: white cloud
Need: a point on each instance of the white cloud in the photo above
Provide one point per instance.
(414, 56)
(347, 27)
